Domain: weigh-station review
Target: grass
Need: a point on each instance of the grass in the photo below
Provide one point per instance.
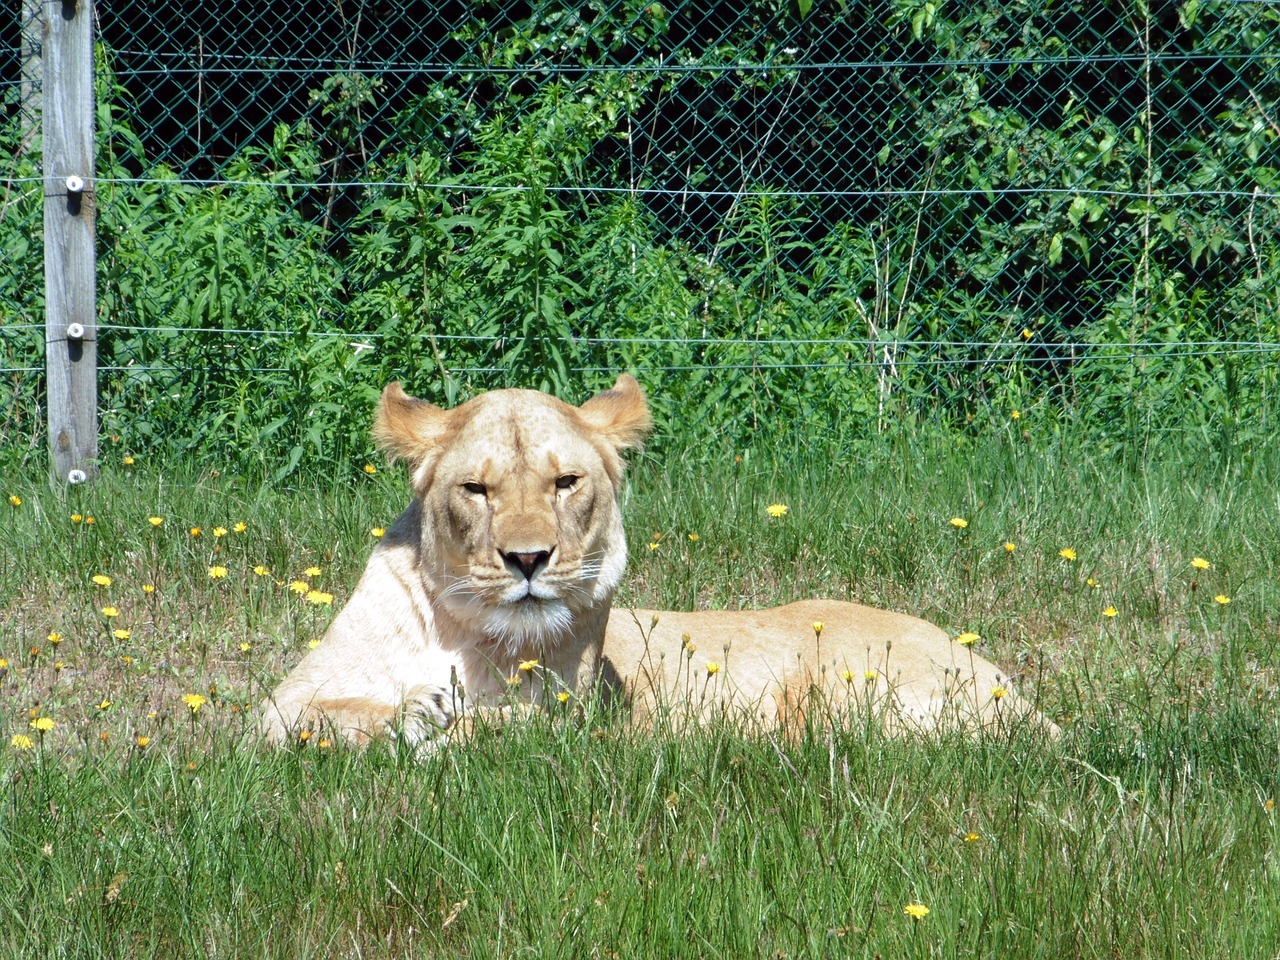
(1149, 830)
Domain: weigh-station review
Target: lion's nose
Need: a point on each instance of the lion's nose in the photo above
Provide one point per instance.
(528, 562)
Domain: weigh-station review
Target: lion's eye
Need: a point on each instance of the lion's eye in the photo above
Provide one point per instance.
(477, 488)
(567, 482)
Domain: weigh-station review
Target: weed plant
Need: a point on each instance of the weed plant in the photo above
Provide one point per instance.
(1136, 602)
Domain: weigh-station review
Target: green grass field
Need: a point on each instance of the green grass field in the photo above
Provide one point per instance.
(139, 826)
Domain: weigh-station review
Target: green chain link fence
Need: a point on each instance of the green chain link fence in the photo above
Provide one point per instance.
(809, 219)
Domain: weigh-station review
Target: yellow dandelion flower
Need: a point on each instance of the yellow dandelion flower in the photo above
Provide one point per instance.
(1014, 414)
(219, 532)
(1026, 333)
(126, 660)
(142, 742)
(194, 701)
(370, 469)
(311, 572)
(319, 598)
(4, 664)
(325, 744)
(299, 586)
(694, 538)
(20, 741)
(377, 532)
(110, 612)
(998, 692)
(89, 519)
(77, 517)
(1269, 805)
(653, 545)
(101, 579)
(128, 461)
(916, 911)
(155, 521)
(262, 571)
(54, 638)
(777, 509)
(121, 634)
(105, 704)
(847, 676)
(1092, 584)
(15, 500)
(818, 626)
(1200, 563)
(527, 666)
(712, 668)
(869, 676)
(240, 527)
(967, 639)
(217, 573)
(43, 724)
(313, 643)
(148, 588)
(959, 522)
(1010, 546)
(245, 646)
(563, 696)
(196, 531)
(1110, 611)
(1067, 554)
(1222, 599)
(304, 736)
(513, 681)
(971, 837)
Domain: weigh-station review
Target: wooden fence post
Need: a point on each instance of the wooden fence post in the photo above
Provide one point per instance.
(70, 211)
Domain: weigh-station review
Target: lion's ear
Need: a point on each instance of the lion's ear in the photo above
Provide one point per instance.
(620, 414)
(405, 428)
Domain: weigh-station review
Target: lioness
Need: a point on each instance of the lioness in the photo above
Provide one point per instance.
(498, 580)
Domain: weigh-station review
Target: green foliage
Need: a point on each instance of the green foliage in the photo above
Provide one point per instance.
(1023, 239)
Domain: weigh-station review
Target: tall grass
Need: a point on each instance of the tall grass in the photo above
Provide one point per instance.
(139, 826)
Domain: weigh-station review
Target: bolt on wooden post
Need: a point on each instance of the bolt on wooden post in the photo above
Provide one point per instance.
(70, 212)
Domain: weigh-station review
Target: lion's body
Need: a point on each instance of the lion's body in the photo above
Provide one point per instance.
(510, 554)
(766, 665)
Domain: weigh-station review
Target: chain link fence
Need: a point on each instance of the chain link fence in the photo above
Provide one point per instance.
(802, 219)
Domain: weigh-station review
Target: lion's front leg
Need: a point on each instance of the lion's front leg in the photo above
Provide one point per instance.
(421, 717)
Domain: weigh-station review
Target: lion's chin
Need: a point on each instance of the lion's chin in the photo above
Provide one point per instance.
(528, 623)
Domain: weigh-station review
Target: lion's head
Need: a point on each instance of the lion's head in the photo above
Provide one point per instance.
(519, 527)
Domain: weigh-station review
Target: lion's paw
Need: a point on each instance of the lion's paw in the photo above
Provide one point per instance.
(429, 710)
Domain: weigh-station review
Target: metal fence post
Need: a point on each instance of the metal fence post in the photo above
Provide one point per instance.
(70, 210)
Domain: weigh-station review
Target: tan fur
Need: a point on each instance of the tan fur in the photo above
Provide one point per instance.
(775, 668)
(511, 551)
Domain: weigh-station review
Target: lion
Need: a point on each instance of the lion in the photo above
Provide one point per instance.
(496, 585)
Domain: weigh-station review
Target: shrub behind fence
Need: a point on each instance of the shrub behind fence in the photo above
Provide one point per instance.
(821, 220)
